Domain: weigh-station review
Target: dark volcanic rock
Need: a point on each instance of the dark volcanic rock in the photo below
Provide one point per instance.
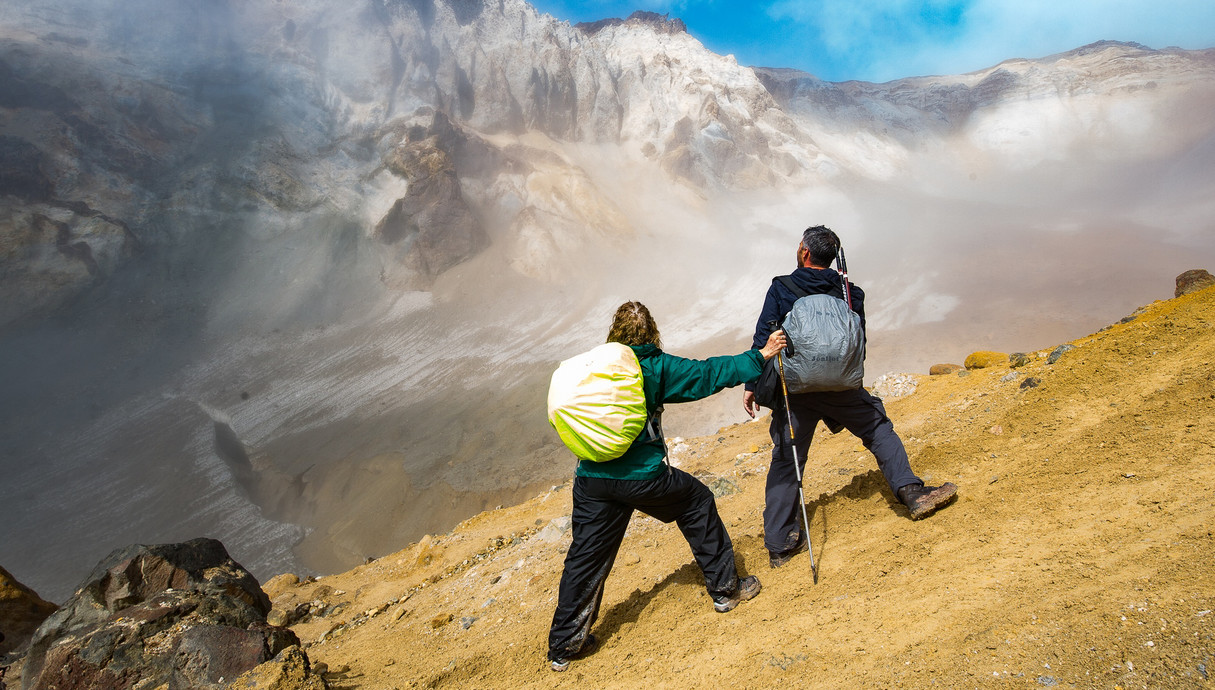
(185, 615)
(433, 224)
(1193, 281)
(21, 612)
(1059, 352)
(21, 171)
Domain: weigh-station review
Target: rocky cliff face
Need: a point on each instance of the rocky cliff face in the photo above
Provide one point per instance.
(123, 133)
(305, 267)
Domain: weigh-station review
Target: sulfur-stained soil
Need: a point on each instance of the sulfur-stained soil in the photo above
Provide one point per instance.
(1079, 553)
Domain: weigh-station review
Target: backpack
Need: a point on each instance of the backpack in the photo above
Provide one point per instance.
(826, 349)
(596, 402)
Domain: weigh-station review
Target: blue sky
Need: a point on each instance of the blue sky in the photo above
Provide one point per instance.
(880, 40)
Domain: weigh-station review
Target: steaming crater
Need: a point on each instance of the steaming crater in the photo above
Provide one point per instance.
(215, 324)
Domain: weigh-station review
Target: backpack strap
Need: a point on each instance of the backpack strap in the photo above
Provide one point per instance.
(787, 281)
(653, 427)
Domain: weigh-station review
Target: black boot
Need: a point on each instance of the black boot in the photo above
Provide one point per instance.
(923, 500)
(778, 558)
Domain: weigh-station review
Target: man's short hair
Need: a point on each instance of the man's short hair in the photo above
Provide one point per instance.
(822, 243)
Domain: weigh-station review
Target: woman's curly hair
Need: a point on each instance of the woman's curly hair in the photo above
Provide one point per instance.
(633, 325)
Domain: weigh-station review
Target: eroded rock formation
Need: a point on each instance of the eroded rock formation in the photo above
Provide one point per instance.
(185, 615)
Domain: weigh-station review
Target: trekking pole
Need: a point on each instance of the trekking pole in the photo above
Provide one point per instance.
(841, 266)
(780, 366)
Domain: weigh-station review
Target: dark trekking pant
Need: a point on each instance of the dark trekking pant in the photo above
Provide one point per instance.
(860, 413)
(602, 508)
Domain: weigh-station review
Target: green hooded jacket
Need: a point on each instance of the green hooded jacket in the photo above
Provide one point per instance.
(670, 379)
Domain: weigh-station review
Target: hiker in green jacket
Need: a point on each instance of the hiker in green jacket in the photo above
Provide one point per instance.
(607, 493)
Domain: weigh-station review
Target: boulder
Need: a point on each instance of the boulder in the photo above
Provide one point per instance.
(1193, 281)
(181, 615)
(984, 359)
(21, 612)
(942, 369)
(1019, 359)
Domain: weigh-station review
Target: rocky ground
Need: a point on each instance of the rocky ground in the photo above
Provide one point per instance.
(1079, 553)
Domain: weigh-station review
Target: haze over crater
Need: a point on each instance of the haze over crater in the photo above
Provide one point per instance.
(294, 276)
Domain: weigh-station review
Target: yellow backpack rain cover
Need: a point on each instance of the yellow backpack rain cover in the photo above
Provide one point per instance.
(596, 402)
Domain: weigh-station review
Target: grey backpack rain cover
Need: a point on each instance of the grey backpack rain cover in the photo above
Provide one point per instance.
(828, 346)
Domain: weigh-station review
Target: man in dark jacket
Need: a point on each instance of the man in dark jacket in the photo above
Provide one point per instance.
(856, 410)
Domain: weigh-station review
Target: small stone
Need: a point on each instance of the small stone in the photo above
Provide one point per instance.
(467, 621)
(720, 486)
(1010, 376)
(1018, 359)
(1031, 382)
(984, 359)
(441, 620)
(996, 430)
(894, 385)
(555, 529)
(278, 618)
(942, 369)
(1059, 352)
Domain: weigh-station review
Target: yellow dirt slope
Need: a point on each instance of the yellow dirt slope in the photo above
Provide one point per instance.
(1080, 551)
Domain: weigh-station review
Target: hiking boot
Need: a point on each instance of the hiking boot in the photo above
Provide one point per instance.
(748, 588)
(562, 663)
(922, 500)
(778, 558)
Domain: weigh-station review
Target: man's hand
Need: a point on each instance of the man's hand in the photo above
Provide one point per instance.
(749, 403)
(776, 343)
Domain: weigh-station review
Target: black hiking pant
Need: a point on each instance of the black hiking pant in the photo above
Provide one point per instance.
(860, 413)
(602, 508)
